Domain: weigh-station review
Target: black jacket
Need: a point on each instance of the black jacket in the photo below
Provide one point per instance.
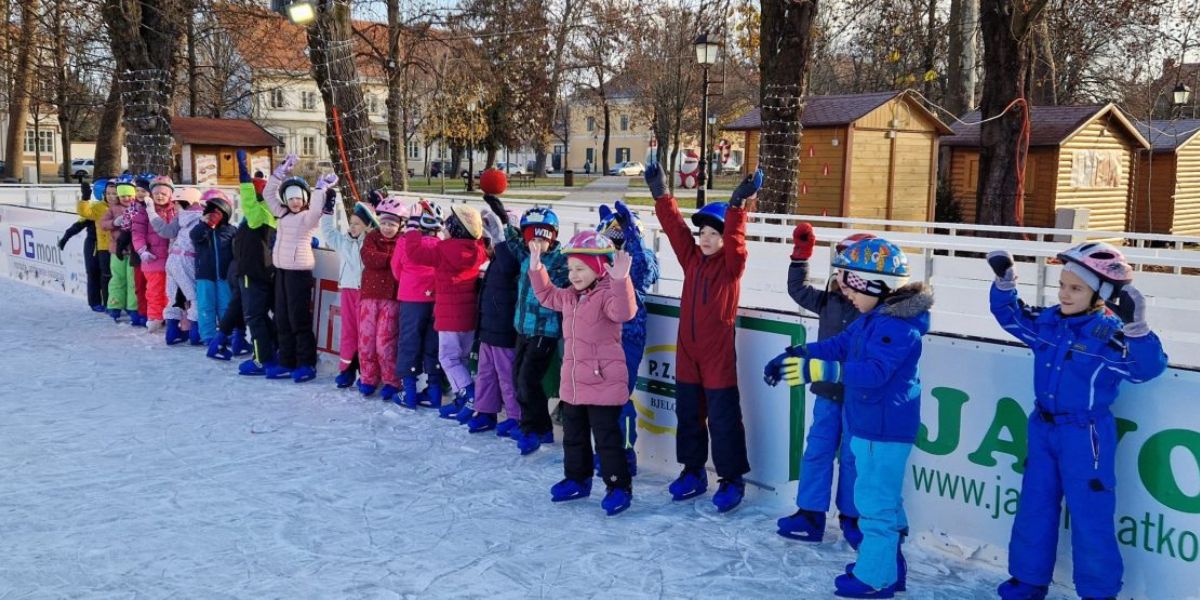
(214, 250)
(832, 308)
(498, 302)
(252, 251)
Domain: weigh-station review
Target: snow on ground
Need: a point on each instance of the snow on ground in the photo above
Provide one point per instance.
(132, 470)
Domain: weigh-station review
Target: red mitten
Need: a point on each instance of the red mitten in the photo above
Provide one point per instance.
(803, 241)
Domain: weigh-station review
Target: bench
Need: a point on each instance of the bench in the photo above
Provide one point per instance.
(521, 179)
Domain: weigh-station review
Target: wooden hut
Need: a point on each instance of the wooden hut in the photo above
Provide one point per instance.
(205, 149)
(1166, 190)
(1079, 157)
(861, 155)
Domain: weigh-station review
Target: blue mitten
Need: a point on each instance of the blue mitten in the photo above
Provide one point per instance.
(243, 168)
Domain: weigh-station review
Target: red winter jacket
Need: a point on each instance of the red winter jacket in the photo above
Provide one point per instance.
(416, 280)
(378, 283)
(456, 265)
(709, 303)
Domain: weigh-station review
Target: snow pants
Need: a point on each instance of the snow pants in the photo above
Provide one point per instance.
(581, 423)
(232, 318)
(212, 299)
(377, 331)
(122, 293)
(297, 344)
(156, 294)
(633, 342)
(257, 300)
(104, 262)
(139, 287)
(91, 266)
(417, 345)
(826, 442)
(700, 410)
(533, 356)
(494, 382)
(877, 494)
(181, 279)
(454, 353)
(1075, 460)
(348, 309)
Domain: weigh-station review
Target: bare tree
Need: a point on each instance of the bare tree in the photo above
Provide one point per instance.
(20, 91)
(787, 42)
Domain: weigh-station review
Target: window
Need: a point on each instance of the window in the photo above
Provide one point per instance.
(308, 145)
(624, 122)
(372, 104)
(277, 99)
(591, 155)
(309, 100)
(414, 149)
(622, 155)
(591, 123)
(45, 141)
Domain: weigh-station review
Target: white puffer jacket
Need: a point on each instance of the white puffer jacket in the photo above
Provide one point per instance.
(293, 232)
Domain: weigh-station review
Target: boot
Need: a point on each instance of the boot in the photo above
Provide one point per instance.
(506, 427)
(468, 408)
(218, 348)
(729, 494)
(481, 422)
(450, 411)
(276, 371)
(689, 484)
(345, 378)
(569, 489)
(390, 393)
(115, 313)
(432, 395)
(173, 333)
(1015, 589)
(366, 389)
(303, 373)
(851, 533)
(849, 586)
(250, 367)
(901, 584)
(194, 336)
(803, 525)
(409, 399)
(238, 344)
(616, 500)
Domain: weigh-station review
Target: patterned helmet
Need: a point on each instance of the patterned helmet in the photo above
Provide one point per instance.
(712, 215)
(539, 223)
(1101, 266)
(431, 216)
(389, 207)
(366, 214)
(589, 242)
(611, 228)
(849, 241)
(464, 222)
(873, 266)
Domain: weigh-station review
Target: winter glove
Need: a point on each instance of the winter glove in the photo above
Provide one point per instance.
(213, 219)
(747, 189)
(85, 191)
(122, 221)
(326, 181)
(773, 372)
(314, 242)
(624, 217)
(803, 241)
(285, 168)
(801, 371)
(62, 243)
(492, 228)
(497, 207)
(1001, 263)
(243, 167)
(656, 180)
(330, 200)
(146, 255)
(1131, 308)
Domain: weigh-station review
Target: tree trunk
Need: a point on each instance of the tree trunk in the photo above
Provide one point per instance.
(1043, 73)
(22, 81)
(111, 135)
(1005, 26)
(145, 35)
(348, 129)
(65, 111)
(193, 96)
(607, 132)
(930, 54)
(786, 32)
(396, 123)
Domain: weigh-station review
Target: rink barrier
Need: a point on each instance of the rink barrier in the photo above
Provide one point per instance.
(964, 476)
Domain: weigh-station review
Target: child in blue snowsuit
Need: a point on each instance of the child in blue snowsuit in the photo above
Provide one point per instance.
(624, 229)
(875, 359)
(825, 436)
(1081, 353)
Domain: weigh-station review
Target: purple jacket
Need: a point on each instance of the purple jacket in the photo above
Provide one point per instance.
(593, 366)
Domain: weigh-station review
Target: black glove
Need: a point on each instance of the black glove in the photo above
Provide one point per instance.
(62, 243)
(656, 180)
(330, 200)
(1001, 263)
(497, 207)
(747, 189)
(85, 190)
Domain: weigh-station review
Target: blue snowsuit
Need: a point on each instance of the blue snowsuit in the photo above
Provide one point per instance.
(644, 272)
(825, 439)
(1079, 361)
(879, 352)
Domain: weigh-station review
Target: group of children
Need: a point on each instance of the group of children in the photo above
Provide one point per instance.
(415, 301)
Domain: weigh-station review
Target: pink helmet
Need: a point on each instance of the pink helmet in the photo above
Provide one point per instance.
(162, 180)
(392, 207)
(1100, 265)
(189, 196)
(849, 241)
(590, 242)
(209, 194)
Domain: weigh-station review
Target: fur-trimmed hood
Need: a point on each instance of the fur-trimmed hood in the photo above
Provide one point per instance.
(911, 303)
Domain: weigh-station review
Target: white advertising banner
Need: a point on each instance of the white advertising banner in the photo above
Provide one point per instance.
(964, 478)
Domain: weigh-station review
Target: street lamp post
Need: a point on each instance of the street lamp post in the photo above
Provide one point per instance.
(706, 56)
(1180, 97)
(471, 148)
(712, 121)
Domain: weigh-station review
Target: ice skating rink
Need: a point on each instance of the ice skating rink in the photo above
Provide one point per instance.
(133, 470)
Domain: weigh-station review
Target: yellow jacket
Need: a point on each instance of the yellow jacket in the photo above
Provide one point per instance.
(93, 211)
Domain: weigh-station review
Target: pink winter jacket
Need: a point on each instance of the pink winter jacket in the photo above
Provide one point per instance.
(593, 366)
(145, 237)
(293, 231)
(415, 281)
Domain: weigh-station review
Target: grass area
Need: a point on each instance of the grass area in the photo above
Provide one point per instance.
(720, 182)
(458, 186)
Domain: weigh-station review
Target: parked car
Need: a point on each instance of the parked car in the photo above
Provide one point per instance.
(629, 168)
(730, 169)
(531, 167)
(82, 168)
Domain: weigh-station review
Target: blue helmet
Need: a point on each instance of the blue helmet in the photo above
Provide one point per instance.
(878, 266)
(712, 215)
(539, 222)
(99, 186)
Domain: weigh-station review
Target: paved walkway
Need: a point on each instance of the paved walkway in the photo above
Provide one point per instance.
(605, 190)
